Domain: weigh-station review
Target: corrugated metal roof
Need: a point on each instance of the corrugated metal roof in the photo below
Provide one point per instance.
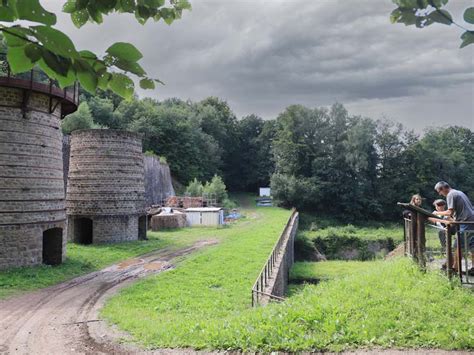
(203, 209)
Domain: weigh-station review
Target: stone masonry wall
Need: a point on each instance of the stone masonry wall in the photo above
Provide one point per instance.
(158, 185)
(31, 177)
(107, 229)
(106, 184)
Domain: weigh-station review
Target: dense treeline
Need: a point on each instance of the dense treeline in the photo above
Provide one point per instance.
(320, 159)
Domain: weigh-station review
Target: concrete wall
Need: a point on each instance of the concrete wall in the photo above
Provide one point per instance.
(158, 185)
(31, 177)
(278, 282)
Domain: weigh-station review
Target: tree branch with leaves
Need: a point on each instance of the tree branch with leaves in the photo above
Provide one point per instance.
(423, 13)
(42, 44)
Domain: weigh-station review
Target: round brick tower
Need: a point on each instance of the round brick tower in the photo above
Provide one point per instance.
(106, 192)
(32, 207)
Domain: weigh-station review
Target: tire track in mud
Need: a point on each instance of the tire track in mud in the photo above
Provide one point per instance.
(63, 319)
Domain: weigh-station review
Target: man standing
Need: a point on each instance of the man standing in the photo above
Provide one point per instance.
(462, 210)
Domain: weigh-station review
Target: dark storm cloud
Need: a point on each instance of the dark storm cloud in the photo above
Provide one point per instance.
(264, 55)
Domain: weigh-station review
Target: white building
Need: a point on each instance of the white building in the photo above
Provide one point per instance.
(205, 216)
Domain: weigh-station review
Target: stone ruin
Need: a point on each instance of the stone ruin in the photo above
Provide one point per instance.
(105, 198)
(32, 210)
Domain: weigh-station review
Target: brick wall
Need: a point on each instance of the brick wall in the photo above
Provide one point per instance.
(31, 179)
(106, 184)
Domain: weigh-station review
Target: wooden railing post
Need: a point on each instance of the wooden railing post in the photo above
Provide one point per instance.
(413, 233)
(421, 239)
(449, 252)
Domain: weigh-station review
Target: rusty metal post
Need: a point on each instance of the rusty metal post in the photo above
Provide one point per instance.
(421, 239)
(404, 237)
(459, 255)
(413, 233)
(449, 252)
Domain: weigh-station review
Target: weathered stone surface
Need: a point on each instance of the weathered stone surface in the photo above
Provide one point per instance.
(106, 186)
(31, 178)
(158, 185)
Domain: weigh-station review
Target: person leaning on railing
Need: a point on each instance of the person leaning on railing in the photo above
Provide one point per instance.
(416, 200)
(459, 207)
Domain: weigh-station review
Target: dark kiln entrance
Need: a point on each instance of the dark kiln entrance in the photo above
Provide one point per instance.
(52, 246)
(83, 231)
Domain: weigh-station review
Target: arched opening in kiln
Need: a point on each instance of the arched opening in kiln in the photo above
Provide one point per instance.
(142, 227)
(52, 246)
(83, 228)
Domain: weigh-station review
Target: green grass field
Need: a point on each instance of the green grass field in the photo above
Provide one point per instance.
(387, 304)
(205, 302)
(326, 270)
(171, 309)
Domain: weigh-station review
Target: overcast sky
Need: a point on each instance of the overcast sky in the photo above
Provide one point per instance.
(263, 55)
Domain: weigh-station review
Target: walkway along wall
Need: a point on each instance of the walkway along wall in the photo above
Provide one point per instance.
(272, 282)
(106, 193)
(158, 186)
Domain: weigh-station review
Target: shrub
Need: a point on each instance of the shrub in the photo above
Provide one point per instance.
(81, 119)
(217, 188)
(194, 188)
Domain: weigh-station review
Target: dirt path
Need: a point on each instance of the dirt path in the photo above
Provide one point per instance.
(63, 319)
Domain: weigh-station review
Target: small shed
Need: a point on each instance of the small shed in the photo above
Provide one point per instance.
(205, 216)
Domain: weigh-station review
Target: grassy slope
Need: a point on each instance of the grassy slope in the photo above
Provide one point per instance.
(173, 308)
(83, 259)
(388, 304)
(326, 270)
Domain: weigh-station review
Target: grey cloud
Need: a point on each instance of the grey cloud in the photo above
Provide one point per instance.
(264, 55)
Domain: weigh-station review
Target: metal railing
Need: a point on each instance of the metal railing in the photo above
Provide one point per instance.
(415, 243)
(37, 80)
(267, 272)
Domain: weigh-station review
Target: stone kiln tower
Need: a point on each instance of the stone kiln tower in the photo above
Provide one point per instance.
(106, 191)
(32, 209)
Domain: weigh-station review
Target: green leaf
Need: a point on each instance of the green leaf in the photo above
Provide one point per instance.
(105, 6)
(55, 41)
(469, 15)
(168, 15)
(33, 52)
(95, 14)
(395, 15)
(69, 7)
(16, 36)
(467, 38)
(86, 75)
(79, 18)
(18, 60)
(127, 5)
(67, 79)
(7, 14)
(87, 54)
(81, 4)
(407, 17)
(131, 67)
(32, 10)
(122, 85)
(103, 80)
(147, 83)
(124, 51)
(59, 65)
(441, 16)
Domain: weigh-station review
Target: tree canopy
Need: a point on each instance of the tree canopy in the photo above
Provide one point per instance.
(319, 159)
(44, 45)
